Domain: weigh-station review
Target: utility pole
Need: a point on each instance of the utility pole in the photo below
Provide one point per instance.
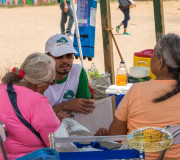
(159, 18)
(107, 39)
(107, 43)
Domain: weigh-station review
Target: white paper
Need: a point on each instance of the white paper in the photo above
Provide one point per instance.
(102, 116)
(93, 17)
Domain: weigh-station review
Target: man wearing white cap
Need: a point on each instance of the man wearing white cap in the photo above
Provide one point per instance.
(71, 91)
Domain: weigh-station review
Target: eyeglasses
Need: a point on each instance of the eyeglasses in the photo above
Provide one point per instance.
(51, 83)
(68, 56)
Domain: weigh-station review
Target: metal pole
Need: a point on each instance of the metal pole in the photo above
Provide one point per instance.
(77, 31)
(52, 140)
(90, 138)
(3, 150)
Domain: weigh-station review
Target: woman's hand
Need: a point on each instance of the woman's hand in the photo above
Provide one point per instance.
(102, 132)
(62, 114)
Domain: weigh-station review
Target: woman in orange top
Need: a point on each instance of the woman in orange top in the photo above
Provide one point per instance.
(156, 102)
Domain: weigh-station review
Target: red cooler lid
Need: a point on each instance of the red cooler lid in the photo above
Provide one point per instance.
(145, 53)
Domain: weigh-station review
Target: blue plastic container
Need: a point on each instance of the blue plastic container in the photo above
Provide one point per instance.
(118, 98)
(118, 91)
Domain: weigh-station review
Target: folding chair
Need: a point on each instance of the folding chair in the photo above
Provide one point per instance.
(97, 155)
(3, 135)
(175, 131)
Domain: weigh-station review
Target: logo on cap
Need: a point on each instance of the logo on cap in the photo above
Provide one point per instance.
(62, 40)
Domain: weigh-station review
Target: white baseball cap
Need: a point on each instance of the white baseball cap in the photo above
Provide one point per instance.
(59, 45)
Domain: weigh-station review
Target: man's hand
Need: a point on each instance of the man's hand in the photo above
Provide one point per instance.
(65, 8)
(76, 105)
(81, 105)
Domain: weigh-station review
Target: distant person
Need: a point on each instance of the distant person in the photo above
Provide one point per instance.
(155, 102)
(66, 12)
(124, 6)
(71, 91)
(25, 86)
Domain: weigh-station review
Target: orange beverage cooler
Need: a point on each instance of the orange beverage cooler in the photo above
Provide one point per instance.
(142, 58)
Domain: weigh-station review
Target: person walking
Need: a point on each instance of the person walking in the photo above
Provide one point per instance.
(124, 6)
(66, 12)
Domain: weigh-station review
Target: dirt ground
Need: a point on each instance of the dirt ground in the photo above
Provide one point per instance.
(24, 30)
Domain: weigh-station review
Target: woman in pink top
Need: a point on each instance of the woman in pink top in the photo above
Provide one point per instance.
(29, 82)
(155, 102)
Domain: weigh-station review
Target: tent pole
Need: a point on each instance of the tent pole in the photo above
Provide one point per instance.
(77, 31)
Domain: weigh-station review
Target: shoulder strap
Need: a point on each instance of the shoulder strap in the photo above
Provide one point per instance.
(13, 98)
